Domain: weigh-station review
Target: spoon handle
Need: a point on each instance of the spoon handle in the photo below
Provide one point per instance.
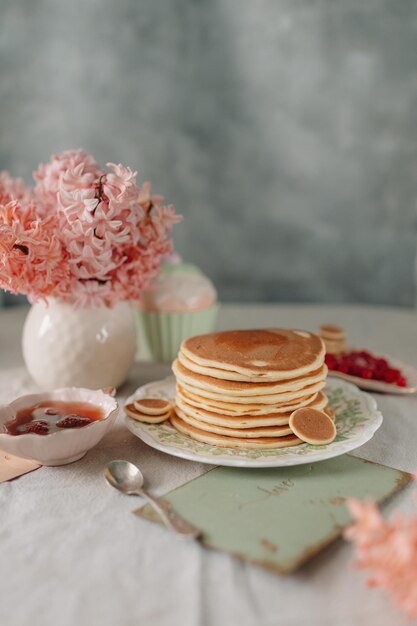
(172, 520)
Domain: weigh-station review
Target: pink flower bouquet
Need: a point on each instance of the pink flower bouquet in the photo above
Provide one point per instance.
(388, 550)
(85, 235)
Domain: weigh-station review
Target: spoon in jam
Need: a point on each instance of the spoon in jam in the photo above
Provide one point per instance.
(127, 478)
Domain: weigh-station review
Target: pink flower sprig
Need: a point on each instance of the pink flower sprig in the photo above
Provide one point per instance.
(83, 234)
(48, 177)
(31, 254)
(388, 549)
(13, 189)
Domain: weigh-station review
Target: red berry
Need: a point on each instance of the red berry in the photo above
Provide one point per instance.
(343, 368)
(330, 361)
(365, 365)
(390, 376)
(38, 427)
(73, 421)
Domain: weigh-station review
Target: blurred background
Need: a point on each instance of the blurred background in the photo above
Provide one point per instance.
(283, 130)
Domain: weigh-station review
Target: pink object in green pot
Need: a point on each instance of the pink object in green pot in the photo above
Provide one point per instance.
(179, 288)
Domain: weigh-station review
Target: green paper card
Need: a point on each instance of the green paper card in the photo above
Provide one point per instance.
(278, 518)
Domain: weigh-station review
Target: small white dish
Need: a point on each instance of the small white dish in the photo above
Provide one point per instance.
(66, 446)
(356, 414)
(378, 385)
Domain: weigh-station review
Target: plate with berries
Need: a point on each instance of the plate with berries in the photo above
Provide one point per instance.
(373, 372)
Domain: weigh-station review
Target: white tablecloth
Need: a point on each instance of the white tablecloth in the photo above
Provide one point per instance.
(72, 553)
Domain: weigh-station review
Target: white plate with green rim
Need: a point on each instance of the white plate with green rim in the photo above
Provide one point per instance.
(356, 417)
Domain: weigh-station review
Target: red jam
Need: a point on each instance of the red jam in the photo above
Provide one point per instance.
(367, 366)
(45, 418)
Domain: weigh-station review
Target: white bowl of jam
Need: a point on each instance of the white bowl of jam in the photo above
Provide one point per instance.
(56, 427)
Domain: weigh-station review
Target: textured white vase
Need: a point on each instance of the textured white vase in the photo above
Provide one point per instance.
(67, 347)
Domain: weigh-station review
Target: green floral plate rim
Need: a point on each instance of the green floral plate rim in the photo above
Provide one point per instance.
(356, 414)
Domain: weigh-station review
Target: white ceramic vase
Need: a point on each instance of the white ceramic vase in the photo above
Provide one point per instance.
(87, 347)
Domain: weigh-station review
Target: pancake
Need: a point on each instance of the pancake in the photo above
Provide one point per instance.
(232, 442)
(272, 354)
(152, 406)
(312, 426)
(276, 398)
(219, 374)
(215, 372)
(328, 411)
(239, 388)
(131, 411)
(243, 421)
(231, 408)
(249, 433)
(334, 338)
(330, 344)
(331, 332)
(333, 347)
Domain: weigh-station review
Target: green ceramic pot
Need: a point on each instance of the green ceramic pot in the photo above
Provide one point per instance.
(164, 332)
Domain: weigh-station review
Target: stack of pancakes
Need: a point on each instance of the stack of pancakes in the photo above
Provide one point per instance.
(334, 338)
(239, 388)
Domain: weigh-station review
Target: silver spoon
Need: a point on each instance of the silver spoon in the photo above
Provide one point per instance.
(128, 478)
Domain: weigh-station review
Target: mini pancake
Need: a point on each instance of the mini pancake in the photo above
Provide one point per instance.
(275, 354)
(334, 338)
(312, 426)
(249, 433)
(152, 406)
(328, 412)
(241, 421)
(237, 388)
(230, 408)
(215, 439)
(329, 331)
(132, 412)
(276, 398)
(333, 345)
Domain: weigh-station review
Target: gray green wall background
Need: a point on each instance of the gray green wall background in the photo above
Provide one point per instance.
(284, 130)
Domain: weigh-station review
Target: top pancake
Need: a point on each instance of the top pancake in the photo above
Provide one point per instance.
(266, 354)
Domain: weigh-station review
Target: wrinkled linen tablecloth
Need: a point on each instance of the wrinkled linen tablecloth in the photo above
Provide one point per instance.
(72, 553)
